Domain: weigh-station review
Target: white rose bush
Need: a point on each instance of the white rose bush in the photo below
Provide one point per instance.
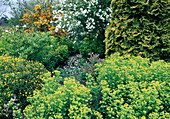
(83, 19)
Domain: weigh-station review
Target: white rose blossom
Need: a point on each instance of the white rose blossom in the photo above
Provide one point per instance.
(24, 26)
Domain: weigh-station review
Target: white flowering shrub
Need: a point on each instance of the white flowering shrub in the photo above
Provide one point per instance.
(83, 18)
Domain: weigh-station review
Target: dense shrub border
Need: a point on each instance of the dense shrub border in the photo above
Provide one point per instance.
(118, 69)
(122, 87)
(136, 94)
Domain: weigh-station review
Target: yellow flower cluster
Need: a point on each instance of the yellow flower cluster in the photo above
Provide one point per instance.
(40, 20)
(19, 77)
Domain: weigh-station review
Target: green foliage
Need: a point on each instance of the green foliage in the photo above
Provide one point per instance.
(14, 20)
(35, 46)
(89, 45)
(121, 69)
(139, 28)
(3, 43)
(57, 101)
(3, 29)
(19, 77)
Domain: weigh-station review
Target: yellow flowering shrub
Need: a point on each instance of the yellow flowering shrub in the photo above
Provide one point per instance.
(40, 19)
(57, 101)
(19, 77)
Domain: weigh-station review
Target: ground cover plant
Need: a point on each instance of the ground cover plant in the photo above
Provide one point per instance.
(60, 101)
(136, 100)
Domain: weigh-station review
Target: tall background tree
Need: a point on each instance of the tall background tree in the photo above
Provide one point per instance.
(3, 6)
(3, 10)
